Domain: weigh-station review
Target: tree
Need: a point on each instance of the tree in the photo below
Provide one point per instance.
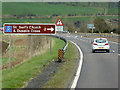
(101, 25)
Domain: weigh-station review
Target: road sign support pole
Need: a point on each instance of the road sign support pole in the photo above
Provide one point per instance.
(31, 45)
(92, 29)
(59, 33)
(9, 52)
(50, 45)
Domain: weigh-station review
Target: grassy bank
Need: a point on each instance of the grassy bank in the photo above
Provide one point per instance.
(18, 76)
(63, 76)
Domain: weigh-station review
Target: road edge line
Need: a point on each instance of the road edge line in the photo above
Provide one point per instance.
(77, 75)
(113, 42)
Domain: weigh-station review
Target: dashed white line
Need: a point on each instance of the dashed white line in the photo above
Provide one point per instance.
(113, 51)
(73, 86)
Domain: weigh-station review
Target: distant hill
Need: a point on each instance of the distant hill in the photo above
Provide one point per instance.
(59, 8)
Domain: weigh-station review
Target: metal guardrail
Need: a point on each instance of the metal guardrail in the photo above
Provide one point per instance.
(65, 47)
(94, 34)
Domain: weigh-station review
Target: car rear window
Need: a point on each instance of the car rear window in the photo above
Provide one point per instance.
(100, 40)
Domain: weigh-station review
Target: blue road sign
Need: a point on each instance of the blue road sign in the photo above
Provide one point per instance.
(8, 28)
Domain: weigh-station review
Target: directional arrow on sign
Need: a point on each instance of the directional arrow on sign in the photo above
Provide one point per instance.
(51, 29)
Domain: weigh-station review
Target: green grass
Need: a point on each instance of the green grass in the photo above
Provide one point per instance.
(24, 8)
(113, 11)
(15, 48)
(19, 75)
(50, 20)
(25, 20)
(4, 60)
(63, 76)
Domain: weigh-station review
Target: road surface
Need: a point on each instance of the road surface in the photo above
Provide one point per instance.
(99, 70)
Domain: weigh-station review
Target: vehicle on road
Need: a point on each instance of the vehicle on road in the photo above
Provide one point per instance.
(100, 44)
(65, 31)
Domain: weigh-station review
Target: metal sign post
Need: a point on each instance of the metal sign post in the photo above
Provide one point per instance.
(31, 45)
(92, 29)
(9, 51)
(50, 45)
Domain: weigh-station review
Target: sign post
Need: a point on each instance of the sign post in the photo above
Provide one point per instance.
(50, 45)
(9, 51)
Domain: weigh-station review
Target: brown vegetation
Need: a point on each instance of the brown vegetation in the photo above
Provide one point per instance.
(24, 47)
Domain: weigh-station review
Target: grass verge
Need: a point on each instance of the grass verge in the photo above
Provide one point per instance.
(18, 76)
(63, 76)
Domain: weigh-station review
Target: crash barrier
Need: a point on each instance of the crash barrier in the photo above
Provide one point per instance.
(61, 52)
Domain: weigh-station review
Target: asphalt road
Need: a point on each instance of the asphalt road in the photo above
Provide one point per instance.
(99, 70)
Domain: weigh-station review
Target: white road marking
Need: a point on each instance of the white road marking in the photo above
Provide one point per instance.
(67, 36)
(118, 54)
(77, 75)
(113, 42)
(76, 36)
(113, 51)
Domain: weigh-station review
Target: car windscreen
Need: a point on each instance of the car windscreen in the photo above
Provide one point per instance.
(100, 40)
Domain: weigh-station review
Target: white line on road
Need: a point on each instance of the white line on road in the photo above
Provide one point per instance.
(113, 42)
(73, 86)
(113, 51)
(118, 54)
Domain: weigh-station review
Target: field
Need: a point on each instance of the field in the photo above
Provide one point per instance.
(46, 9)
(53, 20)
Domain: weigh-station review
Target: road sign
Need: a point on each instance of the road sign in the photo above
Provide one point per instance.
(60, 53)
(90, 25)
(59, 25)
(59, 22)
(29, 29)
(59, 28)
